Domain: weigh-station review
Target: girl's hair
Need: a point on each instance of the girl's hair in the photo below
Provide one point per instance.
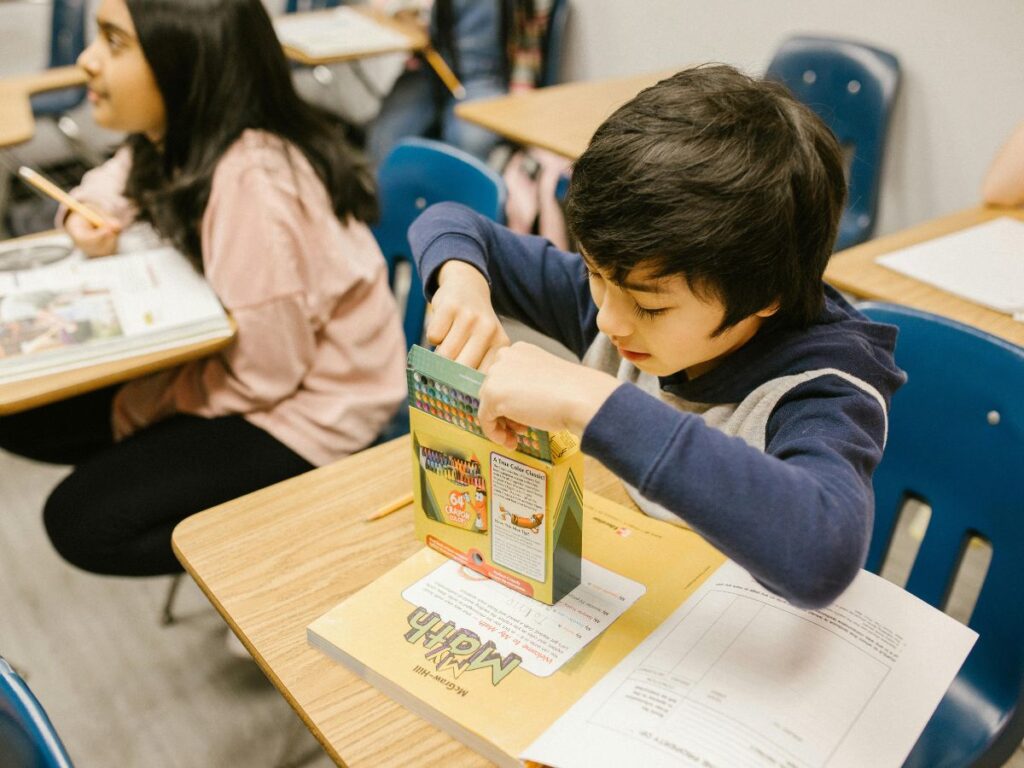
(221, 70)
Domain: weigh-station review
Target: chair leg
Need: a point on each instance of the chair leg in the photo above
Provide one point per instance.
(167, 615)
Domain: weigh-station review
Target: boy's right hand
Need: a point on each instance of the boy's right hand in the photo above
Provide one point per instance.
(463, 323)
(92, 240)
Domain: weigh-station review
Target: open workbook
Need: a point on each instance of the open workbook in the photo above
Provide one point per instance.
(65, 311)
(665, 655)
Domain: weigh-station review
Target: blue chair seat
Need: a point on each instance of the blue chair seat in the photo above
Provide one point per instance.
(27, 737)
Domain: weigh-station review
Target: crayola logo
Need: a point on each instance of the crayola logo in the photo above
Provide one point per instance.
(459, 650)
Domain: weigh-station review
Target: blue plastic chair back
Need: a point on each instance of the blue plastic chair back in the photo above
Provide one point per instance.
(27, 737)
(310, 5)
(956, 442)
(67, 41)
(416, 174)
(552, 48)
(852, 88)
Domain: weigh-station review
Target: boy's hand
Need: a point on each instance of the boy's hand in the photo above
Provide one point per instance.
(92, 240)
(463, 324)
(526, 385)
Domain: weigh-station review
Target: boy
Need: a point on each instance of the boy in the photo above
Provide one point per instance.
(726, 385)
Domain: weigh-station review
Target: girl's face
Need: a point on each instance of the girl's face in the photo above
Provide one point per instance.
(122, 89)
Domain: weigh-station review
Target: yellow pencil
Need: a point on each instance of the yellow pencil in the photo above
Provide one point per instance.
(392, 506)
(47, 187)
(444, 72)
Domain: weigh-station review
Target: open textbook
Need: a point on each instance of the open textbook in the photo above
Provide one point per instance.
(665, 655)
(71, 312)
(983, 263)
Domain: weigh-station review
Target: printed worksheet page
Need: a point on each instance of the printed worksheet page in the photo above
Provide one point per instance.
(738, 677)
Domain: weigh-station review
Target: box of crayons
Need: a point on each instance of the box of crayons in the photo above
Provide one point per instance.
(515, 516)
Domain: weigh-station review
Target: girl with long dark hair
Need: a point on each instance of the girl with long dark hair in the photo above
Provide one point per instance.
(261, 192)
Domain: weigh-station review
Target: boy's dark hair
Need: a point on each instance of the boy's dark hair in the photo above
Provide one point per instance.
(221, 70)
(720, 178)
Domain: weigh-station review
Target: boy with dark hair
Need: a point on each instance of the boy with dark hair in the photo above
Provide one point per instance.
(723, 381)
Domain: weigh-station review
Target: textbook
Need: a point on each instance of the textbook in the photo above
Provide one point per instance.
(983, 264)
(665, 655)
(71, 312)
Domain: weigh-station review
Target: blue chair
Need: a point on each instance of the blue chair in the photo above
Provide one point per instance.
(416, 174)
(552, 46)
(27, 737)
(956, 442)
(852, 87)
(67, 41)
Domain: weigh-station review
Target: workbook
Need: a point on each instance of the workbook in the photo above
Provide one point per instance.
(665, 655)
(65, 311)
(983, 263)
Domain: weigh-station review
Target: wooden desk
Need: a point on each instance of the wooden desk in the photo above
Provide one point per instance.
(16, 121)
(275, 560)
(560, 118)
(855, 271)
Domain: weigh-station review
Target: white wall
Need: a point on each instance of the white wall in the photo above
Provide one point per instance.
(963, 72)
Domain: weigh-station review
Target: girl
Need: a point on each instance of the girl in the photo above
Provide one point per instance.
(259, 190)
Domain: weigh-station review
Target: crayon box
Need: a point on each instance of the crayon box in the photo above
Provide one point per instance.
(515, 516)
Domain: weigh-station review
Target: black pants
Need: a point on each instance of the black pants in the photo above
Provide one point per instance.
(115, 512)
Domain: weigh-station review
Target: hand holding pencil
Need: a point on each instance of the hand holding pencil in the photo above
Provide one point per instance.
(94, 232)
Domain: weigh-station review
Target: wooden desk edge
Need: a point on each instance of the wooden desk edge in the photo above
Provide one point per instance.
(416, 39)
(21, 395)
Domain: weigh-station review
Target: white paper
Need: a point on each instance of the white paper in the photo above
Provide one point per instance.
(984, 264)
(545, 636)
(737, 677)
(338, 32)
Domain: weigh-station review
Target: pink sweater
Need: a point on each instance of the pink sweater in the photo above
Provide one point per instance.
(318, 361)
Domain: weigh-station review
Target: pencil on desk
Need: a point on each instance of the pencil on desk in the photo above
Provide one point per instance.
(392, 506)
(448, 77)
(47, 187)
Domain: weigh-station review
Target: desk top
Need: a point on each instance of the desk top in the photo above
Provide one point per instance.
(855, 271)
(560, 118)
(275, 560)
(16, 121)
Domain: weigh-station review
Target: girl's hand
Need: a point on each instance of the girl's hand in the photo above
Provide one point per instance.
(526, 385)
(92, 240)
(463, 323)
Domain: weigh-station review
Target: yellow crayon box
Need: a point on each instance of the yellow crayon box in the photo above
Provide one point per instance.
(514, 516)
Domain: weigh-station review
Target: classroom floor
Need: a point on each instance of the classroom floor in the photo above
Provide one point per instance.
(120, 688)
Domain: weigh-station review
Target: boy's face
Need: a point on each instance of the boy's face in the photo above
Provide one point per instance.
(122, 88)
(662, 327)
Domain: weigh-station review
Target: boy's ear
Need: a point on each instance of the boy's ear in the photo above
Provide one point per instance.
(768, 311)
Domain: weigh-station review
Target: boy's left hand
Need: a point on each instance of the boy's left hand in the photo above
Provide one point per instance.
(526, 385)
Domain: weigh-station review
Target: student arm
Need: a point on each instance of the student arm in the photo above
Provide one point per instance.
(102, 189)
(797, 516)
(529, 279)
(1004, 184)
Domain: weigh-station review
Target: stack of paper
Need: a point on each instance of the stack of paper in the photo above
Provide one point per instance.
(984, 264)
(339, 32)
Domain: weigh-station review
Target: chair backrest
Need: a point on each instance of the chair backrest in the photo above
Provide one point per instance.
(416, 174)
(552, 48)
(852, 87)
(27, 737)
(956, 442)
(67, 41)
